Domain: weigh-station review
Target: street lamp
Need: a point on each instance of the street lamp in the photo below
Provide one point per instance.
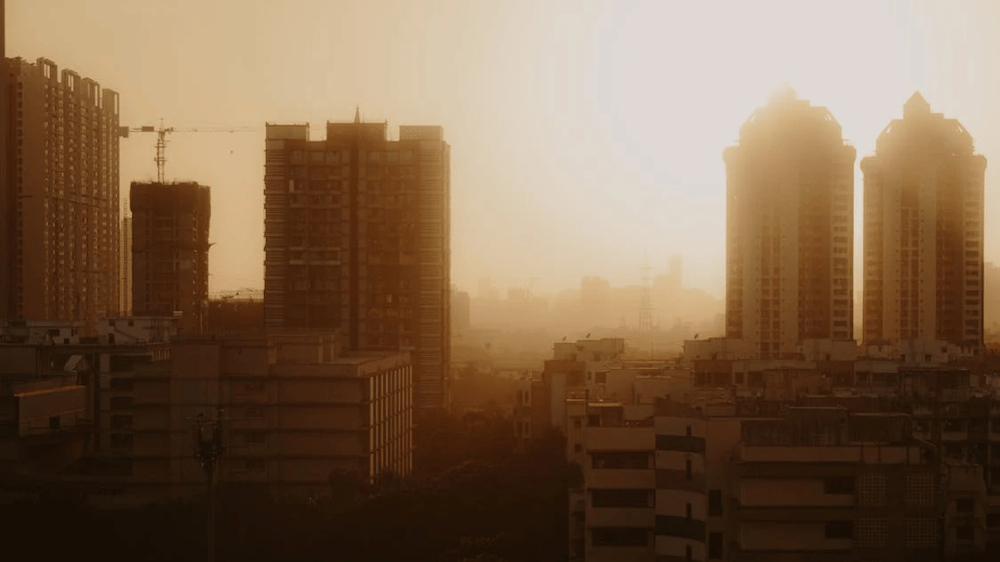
(207, 445)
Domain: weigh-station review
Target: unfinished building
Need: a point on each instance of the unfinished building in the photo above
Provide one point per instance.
(170, 225)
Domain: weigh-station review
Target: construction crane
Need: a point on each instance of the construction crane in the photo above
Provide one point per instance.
(161, 139)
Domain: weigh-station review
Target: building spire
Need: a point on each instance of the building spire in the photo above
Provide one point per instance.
(357, 114)
(916, 105)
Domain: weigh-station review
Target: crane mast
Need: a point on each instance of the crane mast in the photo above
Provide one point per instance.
(161, 140)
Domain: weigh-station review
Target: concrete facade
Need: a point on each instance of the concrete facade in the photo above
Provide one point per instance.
(924, 213)
(61, 194)
(712, 480)
(790, 229)
(357, 240)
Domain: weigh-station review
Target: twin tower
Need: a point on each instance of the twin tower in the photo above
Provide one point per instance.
(790, 235)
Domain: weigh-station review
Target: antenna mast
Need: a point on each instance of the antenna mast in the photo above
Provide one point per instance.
(645, 301)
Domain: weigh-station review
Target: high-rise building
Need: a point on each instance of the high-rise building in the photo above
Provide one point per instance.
(356, 234)
(923, 242)
(790, 229)
(126, 263)
(170, 224)
(6, 194)
(61, 195)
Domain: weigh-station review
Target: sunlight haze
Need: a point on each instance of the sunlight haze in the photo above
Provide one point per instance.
(583, 133)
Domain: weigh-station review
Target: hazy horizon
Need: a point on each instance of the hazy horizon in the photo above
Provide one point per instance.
(584, 134)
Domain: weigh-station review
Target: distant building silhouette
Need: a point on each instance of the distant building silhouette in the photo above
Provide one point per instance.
(235, 314)
(357, 238)
(461, 303)
(923, 236)
(790, 229)
(61, 196)
(170, 225)
(595, 297)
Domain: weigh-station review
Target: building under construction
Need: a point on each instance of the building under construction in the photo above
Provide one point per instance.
(60, 196)
(170, 224)
(356, 236)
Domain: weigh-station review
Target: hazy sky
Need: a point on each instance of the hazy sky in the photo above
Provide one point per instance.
(583, 133)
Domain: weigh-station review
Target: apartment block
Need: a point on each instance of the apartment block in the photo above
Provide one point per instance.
(923, 245)
(297, 409)
(357, 240)
(724, 480)
(789, 229)
(169, 244)
(823, 482)
(61, 195)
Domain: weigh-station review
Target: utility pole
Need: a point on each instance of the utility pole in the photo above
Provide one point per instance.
(207, 445)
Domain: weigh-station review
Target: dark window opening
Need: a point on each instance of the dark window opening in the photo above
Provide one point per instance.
(622, 498)
(715, 503)
(619, 536)
(839, 530)
(121, 440)
(715, 545)
(839, 485)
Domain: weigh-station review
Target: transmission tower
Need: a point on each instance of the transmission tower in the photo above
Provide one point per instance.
(645, 300)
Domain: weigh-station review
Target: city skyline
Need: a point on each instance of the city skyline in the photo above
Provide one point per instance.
(621, 153)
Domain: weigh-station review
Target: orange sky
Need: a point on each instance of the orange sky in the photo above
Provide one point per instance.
(583, 133)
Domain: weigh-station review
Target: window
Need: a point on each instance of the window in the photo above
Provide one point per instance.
(54, 422)
(121, 422)
(715, 503)
(121, 402)
(254, 386)
(255, 412)
(121, 440)
(963, 505)
(620, 459)
(965, 533)
(119, 383)
(621, 498)
(715, 545)
(839, 485)
(255, 465)
(619, 536)
(254, 437)
(839, 530)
